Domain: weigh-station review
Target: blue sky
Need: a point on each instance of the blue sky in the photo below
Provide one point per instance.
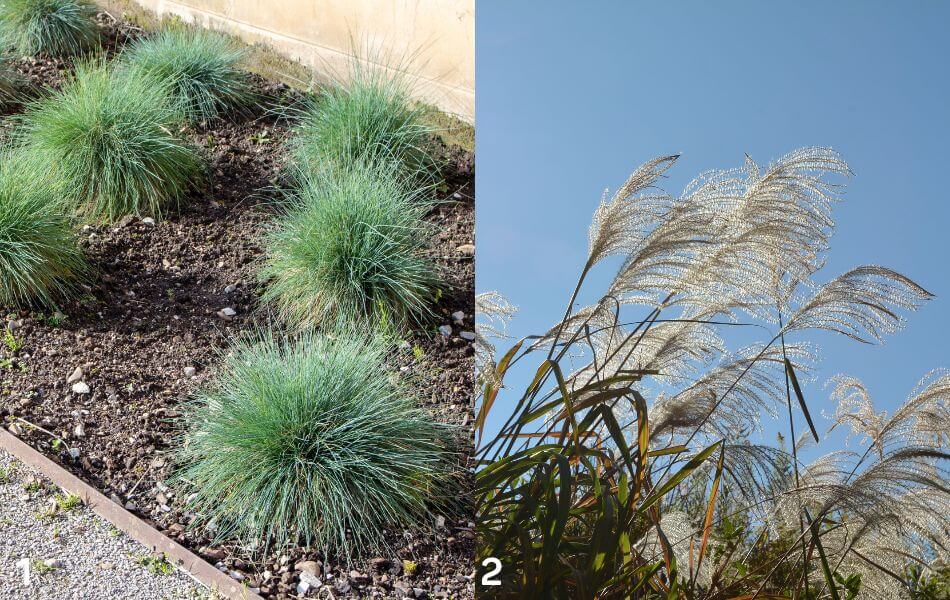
(572, 96)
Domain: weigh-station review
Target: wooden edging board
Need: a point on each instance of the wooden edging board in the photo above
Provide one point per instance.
(203, 572)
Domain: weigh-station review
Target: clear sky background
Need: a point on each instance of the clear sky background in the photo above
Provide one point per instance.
(571, 96)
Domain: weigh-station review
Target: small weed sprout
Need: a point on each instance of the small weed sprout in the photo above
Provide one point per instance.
(67, 502)
(350, 248)
(11, 342)
(52, 27)
(156, 564)
(107, 134)
(40, 261)
(371, 119)
(202, 67)
(340, 450)
(39, 567)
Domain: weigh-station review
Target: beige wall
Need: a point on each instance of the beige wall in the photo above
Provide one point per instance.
(438, 34)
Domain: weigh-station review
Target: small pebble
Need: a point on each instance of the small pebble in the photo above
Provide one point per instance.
(467, 335)
(466, 249)
(190, 371)
(458, 316)
(76, 376)
(148, 221)
(80, 387)
(445, 330)
(230, 289)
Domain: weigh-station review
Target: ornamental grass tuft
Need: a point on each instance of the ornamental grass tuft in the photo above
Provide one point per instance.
(202, 66)
(350, 249)
(52, 27)
(311, 440)
(109, 135)
(40, 262)
(371, 119)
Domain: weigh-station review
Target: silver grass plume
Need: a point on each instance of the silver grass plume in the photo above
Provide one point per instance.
(861, 304)
(703, 404)
(620, 222)
(492, 314)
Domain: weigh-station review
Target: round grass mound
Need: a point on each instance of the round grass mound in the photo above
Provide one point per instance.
(369, 120)
(311, 440)
(109, 135)
(350, 249)
(203, 68)
(52, 27)
(40, 262)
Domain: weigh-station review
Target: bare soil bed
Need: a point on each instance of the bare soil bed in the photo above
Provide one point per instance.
(146, 333)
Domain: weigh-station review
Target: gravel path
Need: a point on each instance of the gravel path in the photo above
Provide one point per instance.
(73, 553)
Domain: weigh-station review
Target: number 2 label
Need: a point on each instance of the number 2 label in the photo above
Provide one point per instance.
(490, 578)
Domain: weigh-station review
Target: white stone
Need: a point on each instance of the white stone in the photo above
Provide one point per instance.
(76, 375)
(467, 335)
(80, 387)
(148, 221)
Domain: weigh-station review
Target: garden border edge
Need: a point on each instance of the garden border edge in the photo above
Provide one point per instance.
(197, 568)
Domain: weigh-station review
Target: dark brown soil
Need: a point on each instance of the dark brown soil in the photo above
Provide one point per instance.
(152, 316)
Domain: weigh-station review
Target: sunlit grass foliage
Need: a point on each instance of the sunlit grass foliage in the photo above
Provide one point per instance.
(312, 440)
(632, 465)
(203, 67)
(52, 27)
(350, 248)
(40, 262)
(111, 136)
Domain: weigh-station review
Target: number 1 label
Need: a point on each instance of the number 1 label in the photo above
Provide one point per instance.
(25, 564)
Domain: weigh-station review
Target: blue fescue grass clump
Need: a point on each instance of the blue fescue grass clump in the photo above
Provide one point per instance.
(40, 262)
(203, 68)
(350, 249)
(311, 440)
(110, 136)
(371, 119)
(52, 27)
